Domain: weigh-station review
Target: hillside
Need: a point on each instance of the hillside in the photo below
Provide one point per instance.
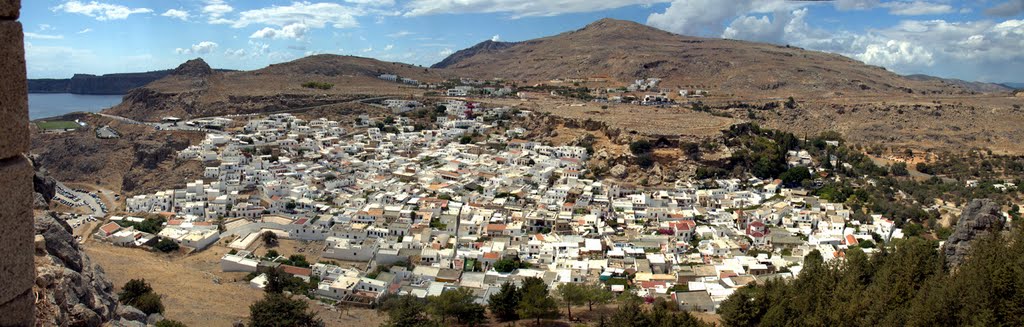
(194, 90)
(980, 87)
(97, 84)
(625, 51)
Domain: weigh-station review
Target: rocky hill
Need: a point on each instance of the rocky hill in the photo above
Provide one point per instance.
(142, 160)
(70, 289)
(478, 49)
(625, 51)
(97, 84)
(980, 217)
(980, 87)
(193, 90)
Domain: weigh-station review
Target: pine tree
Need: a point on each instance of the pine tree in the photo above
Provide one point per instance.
(503, 304)
(536, 302)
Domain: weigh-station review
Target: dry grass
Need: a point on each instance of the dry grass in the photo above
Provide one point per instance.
(185, 282)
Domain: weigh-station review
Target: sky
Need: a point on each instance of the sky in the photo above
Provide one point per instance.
(980, 40)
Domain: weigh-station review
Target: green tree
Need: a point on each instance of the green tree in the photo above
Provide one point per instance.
(536, 302)
(166, 245)
(149, 303)
(503, 304)
(132, 290)
(641, 147)
(571, 294)
(278, 310)
(458, 304)
(404, 311)
(794, 176)
(597, 293)
(269, 239)
(630, 312)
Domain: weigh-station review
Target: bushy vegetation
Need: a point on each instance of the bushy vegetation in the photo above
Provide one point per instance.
(509, 264)
(166, 245)
(905, 284)
(139, 294)
(277, 309)
(152, 225)
(318, 85)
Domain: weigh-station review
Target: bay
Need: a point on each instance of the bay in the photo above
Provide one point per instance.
(44, 105)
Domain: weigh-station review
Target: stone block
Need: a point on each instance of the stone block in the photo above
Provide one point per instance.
(19, 311)
(14, 136)
(17, 265)
(9, 9)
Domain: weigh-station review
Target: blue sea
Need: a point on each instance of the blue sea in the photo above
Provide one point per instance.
(42, 105)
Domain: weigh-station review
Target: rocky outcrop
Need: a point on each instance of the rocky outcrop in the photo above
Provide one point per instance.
(979, 218)
(482, 47)
(44, 186)
(194, 68)
(95, 84)
(70, 290)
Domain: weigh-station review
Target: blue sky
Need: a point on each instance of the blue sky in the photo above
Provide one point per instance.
(973, 40)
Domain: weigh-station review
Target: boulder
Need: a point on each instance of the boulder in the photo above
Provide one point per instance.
(131, 313)
(154, 318)
(70, 290)
(980, 217)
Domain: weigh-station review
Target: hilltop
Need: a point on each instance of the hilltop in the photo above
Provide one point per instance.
(195, 90)
(624, 51)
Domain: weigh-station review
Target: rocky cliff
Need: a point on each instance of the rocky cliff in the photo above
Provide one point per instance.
(95, 84)
(116, 83)
(69, 289)
(980, 217)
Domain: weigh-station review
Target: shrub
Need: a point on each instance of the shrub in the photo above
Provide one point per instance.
(170, 323)
(149, 303)
(166, 245)
(318, 85)
(133, 289)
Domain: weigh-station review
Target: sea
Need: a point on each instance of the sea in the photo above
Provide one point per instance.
(44, 105)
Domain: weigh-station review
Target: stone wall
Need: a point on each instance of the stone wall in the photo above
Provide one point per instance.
(17, 271)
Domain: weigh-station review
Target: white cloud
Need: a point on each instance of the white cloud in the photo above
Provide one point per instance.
(446, 52)
(236, 53)
(370, 49)
(100, 11)
(175, 13)
(496, 38)
(314, 15)
(85, 30)
(373, 3)
(389, 47)
(204, 47)
(916, 8)
(295, 31)
(37, 36)
(45, 27)
(401, 34)
(856, 4)
(708, 17)
(518, 8)
(896, 53)
(216, 9)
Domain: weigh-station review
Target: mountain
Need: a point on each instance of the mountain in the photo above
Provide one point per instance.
(624, 51)
(480, 48)
(980, 87)
(97, 84)
(93, 84)
(194, 90)
(1015, 86)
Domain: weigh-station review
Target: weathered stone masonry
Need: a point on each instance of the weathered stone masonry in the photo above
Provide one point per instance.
(17, 271)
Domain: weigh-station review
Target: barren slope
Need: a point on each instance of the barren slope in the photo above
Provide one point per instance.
(194, 90)
(625, 51)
